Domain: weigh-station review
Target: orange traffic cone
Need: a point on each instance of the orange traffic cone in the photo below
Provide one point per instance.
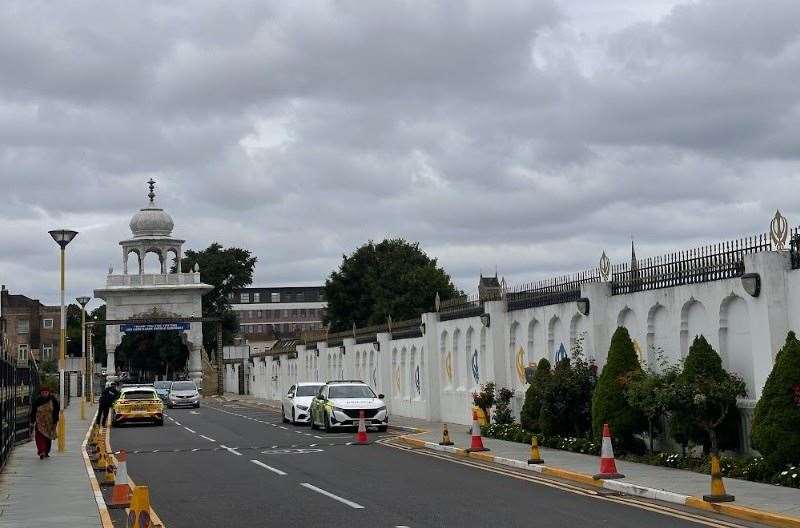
(102, 458)
(121, 494)
(361, 435)
(536, 457)
(477, 441)
(718, 493)
(139, 512)
(608, 468)
(445, 437)
(108, 478)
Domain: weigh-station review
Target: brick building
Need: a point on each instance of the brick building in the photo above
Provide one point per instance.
(268, 313)
(30, 329)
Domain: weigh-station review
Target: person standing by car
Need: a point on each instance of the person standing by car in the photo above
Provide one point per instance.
(107, 399)
(44, 417)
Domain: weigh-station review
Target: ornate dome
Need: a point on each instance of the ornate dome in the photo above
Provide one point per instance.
(151, 221)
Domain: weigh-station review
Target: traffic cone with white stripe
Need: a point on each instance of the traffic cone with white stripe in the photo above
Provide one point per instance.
(477, 442)
(121, 494)
(361, 435)
(608, 468)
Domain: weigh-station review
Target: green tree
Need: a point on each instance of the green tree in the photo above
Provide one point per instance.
(609, 402)
(703, 396)
(532, 408)
(73, 331)
(566, 399)
(151, 354)
(502, 410)
(776, 422)
(392, 278)
(225, 269)
(647, 393)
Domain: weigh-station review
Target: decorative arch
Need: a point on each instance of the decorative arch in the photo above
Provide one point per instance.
(373, 378)
(138, 262)
(482, 373)
(694, 322)
(535, 344)
(628, 319)
(404, 386)
(414, 383)
(556, 341)
(446, 362)
(579, 336)
(736, 347)
(395, 373)
(422, 370)
(457, 368)
(470, 360)
(658, 336)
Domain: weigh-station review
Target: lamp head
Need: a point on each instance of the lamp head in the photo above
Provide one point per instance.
(83, 301)
(63, 236)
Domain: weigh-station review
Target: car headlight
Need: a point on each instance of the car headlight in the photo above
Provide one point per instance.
(302, 407)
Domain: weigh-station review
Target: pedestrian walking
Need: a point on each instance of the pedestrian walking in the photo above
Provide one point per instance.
(44, 417)
(107, 399)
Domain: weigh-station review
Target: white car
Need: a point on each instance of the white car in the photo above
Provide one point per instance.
(340, 404)
(295, 403)
(183, 394)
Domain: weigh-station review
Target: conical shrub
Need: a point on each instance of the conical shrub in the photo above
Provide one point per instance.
(529, 416)
(776, 422)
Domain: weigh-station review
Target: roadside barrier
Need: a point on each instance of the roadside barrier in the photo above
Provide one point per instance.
(102, 459)
(536, 457)
(608, 467)
(477, 442)
(121, 494)
(718, 493)
(445, 437)
(139, 512)
(361, 435)
(108, 477)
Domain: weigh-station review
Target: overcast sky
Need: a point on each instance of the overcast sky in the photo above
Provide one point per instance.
(528, 136)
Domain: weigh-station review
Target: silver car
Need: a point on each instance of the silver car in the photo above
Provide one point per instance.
(183, 394)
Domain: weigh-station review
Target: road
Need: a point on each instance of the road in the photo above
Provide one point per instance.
(236, 465)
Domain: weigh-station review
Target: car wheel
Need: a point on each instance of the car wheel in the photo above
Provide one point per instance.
(327, 419)
(382, 428)
(196, 405)
(313, 422)
(283, 416)
(160, 422)
(294, 422)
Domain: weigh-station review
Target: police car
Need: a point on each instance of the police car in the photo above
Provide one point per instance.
(339, 404)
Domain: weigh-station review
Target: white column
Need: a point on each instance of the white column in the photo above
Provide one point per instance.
(599, 294)
(432, 381)
(112, 340)
(195, 342)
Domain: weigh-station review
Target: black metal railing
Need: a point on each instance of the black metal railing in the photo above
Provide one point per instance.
(550, 291)
(794, 248)
(461, 307)
(704, 264)
(18, 387)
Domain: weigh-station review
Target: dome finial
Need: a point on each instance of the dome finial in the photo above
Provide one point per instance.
(152, 193)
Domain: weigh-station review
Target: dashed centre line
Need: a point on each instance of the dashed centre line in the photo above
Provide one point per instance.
(231, 450)
(270, 468)
(207, 438)
(190, 430)
(321, 491)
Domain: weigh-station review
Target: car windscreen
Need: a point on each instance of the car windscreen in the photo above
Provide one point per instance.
(162, 384)
(183, 386)
(308, 390)
(351, 391)
(139, 395)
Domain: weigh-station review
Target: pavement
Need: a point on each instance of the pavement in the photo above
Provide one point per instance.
(51, 492)
(236, 464)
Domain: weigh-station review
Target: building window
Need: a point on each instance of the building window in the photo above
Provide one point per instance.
(230, 296)
(275, 297)
(256, 297)
(22, 352)
(47, 323)
(259, 314)
(23, 326)
(244, 297)
(47, 351)
(300, 297)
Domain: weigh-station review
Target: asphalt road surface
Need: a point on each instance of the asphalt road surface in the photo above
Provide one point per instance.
(235, 465)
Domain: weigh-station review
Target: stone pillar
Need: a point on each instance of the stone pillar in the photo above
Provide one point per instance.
(769, 312)
(112, 340)
(599, 294)
(348, 358)
(433, 377)
(497, 342)
(384, 365)
(195, 344)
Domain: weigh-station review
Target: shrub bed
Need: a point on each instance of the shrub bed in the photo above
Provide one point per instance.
(754, 469)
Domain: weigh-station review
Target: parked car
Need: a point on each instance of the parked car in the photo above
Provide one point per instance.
(295, 403)
(162, 388)
(183, 394)
(137, 404)
(338, 404)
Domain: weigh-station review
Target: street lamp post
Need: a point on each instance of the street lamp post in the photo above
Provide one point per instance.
(83, 301)
(62, 238)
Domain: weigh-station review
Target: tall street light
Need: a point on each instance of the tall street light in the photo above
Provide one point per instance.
(87, 373)
(62, 238)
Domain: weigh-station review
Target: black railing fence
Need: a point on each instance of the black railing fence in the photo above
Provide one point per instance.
(551, 291)
(461, 307)
(18, 386)
(794, 247)
(704, 264)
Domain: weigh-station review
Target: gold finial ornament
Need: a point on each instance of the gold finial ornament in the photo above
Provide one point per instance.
(779, 231)
(605, 268)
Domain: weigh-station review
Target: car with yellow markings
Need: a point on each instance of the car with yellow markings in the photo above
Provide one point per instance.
(340, 404)
(138, 404)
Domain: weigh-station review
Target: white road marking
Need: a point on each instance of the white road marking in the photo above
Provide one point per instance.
(207, 438)
(231, 450)
(190, 430)
(263, 465)
(195, 449)
(282, 427)
(177, 422)
(315, 436)
(313, 445)
(193, 412)
(350, 503)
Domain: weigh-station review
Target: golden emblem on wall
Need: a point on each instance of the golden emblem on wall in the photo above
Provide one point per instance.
(605, 268)
(778, 231)
(448, 366)
(521, 365)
